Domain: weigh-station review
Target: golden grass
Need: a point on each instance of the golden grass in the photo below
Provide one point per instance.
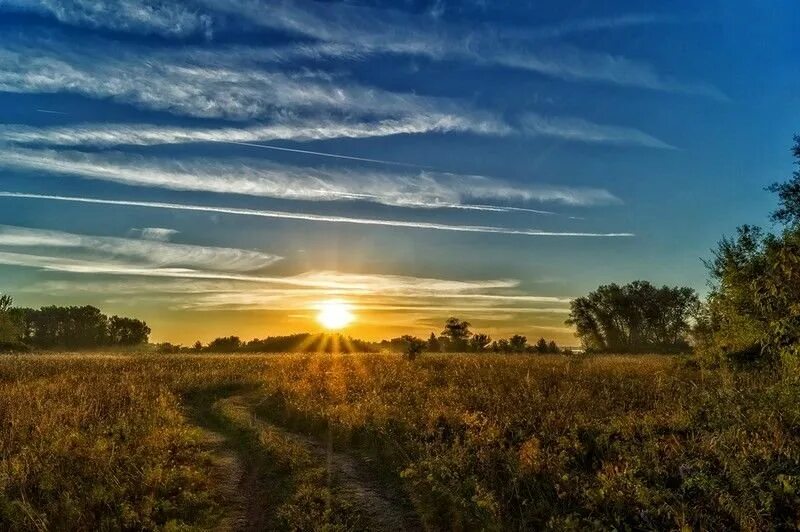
(478, 441)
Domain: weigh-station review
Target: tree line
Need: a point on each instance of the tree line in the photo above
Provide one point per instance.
(457, 337)
(71, 327)
(296, 343)
(751, 315)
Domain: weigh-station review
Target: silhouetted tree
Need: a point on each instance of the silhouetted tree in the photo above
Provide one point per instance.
(541, 346)
(457, 331)
(127, 331)
(226, 344)
(518, 343)
(413, 346)
(479, 342)
(502, 346)
(434, 346)
(637, 317)
(198, 346)
(552, 347)
(9, 329)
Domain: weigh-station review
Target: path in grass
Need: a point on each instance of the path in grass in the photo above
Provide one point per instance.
(291, 480)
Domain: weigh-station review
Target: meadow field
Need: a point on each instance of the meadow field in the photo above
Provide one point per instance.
(375, 441)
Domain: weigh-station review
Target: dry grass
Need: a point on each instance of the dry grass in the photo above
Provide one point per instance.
(478, 441)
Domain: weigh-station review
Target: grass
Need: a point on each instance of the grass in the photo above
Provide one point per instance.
(476, 441)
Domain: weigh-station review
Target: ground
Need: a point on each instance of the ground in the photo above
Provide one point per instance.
(377, 442)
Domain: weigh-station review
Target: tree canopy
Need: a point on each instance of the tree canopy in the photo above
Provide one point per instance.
(634, 318)
(753, 310)
(70, 327)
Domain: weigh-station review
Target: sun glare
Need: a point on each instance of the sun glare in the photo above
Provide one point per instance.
(334, 314)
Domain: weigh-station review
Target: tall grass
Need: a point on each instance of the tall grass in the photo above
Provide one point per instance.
(478, 441)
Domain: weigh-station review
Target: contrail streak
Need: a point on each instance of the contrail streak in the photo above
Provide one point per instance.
(311, 217)
(320, 153)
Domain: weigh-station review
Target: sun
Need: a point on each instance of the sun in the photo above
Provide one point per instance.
(334, 314)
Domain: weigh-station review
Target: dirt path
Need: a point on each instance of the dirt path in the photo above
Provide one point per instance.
(352, 478)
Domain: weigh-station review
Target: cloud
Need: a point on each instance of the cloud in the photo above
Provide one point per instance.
(134, 253)
(204, 83)
(104, 135)
(348, 31)
(170, 19)
(577, 129)
(584, 25)
(378, 292)
(257, 177)
(356, 31)
(159, 234)
(314, 217)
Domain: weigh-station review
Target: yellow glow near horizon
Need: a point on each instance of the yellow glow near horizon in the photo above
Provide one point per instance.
(334, 314)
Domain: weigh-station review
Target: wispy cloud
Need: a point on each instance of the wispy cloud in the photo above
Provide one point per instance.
(367, 292)
(359, 31)
(171, 19)
(205, 83)
(102, 135)
(314, 217)
(137, 253)
(159, 234)
(257, 177)
(577, 129)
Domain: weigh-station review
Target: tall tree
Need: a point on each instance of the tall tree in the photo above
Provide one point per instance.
(434, 346)
(479, 342)
(752, 311)
(9, 328)
(637, 317)
(127, 331)
(518, 343)
(457, 332)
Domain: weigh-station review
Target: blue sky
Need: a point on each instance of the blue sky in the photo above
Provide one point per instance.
(224, 166)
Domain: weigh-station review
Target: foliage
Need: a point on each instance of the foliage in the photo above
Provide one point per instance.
(479, 342)
(75, 328)
(753, 310)
(434, 346)
(457, 332)
(634, 318)
(303, 342)
(226, 344)
(127, 331)
(413, 346)
(9, 329)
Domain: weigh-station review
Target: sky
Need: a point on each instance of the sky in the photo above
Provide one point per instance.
(222, 167)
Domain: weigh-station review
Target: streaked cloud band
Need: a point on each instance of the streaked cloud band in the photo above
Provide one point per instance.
(315, 217)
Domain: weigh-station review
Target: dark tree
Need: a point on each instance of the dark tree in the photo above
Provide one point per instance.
(479, 342)
(752, 313)
(502, 346)
(127, 331)
(518, 343)
(788, 211)
(541, 346)
(225, 344)
(457, 332)
(10, 329)
(634, 318)
(413, 346)
(434, 346)
(552, 347)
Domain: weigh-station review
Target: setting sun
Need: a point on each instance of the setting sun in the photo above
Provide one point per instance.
(334, 314)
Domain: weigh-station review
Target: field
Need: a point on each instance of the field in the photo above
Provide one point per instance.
(355, 442)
